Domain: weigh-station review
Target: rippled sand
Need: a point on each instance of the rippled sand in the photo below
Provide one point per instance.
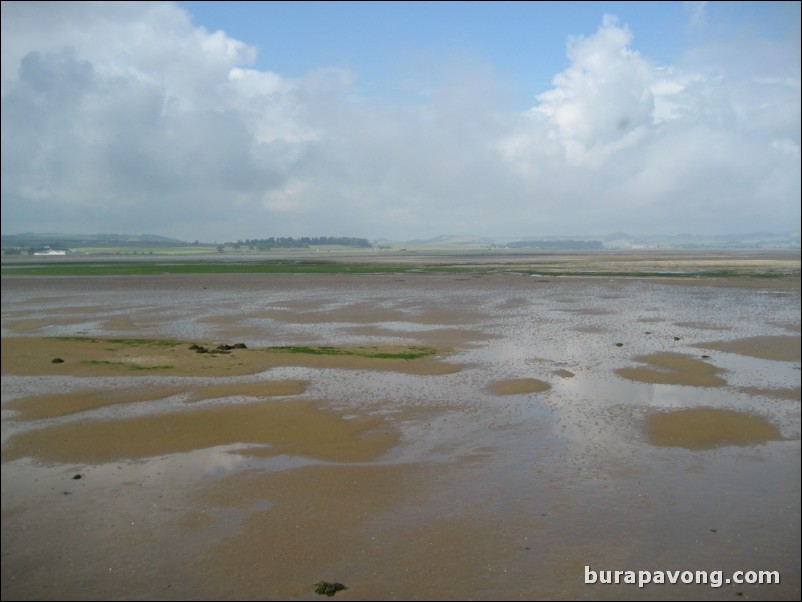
(620, 424)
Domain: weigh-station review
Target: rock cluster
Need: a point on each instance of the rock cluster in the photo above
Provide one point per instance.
(222, 348)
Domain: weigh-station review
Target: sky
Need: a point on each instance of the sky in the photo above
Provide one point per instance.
(225, 121)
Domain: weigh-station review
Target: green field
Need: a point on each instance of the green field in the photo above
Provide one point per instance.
(169, 251)
(778, 264)
(122, 268)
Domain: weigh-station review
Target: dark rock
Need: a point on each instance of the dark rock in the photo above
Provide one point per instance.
(324, 588)
(619, 344)
(224, 347)
(57, 360)
(239, 346)
(76, 477)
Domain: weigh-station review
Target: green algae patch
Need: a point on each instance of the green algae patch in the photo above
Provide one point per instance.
(86, 356)
(410, 353)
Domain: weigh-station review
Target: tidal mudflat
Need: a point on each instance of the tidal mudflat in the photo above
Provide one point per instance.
(412, 436)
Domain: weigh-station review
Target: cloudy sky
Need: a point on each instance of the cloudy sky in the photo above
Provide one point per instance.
(226, 120)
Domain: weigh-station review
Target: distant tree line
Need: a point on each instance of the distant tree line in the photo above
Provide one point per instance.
(282, 242)
(555, 244)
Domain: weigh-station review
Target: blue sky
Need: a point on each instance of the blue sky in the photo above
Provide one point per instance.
(525, 42)
(400, 120)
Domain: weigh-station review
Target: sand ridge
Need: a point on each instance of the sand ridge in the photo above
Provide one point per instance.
(518, 386)
(778, 348)
(708, 428)
(668, 368)
(301, 428)
(85, 356)
(64, 404)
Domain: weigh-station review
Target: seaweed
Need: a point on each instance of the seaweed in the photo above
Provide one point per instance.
(325, 588)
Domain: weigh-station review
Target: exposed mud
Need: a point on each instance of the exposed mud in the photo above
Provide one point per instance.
(557, 423)
(674, 369)
(778, 348)
(518, 386)
(708, 428)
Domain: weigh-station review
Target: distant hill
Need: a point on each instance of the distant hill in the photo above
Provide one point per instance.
(55, 240)
(754, 240)
(31, 241)
(454, 239)
(623, 240)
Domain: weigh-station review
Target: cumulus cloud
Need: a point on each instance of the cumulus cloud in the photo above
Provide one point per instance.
(602, 101)
(655, 144)
(127, 117)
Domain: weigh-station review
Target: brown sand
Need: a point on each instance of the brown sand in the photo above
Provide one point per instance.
(790, 394)
(272, 535)
(518, 386)
(319, 517)
(52, 406)
(674, 369)
(105, 357)
(291, 428)
(708, 428)
(778, 348)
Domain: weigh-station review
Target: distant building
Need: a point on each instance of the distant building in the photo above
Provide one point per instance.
(50, 252)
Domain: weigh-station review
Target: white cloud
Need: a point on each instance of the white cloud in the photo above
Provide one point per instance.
(698, 13)
(653, 144)
(125, 116)
(602, 100)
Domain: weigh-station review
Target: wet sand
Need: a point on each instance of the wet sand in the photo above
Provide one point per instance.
(287, 428)
(556, 425)
(707, 428)
(518, 386)
(674, 369)
(84, 356)
(779, 348)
